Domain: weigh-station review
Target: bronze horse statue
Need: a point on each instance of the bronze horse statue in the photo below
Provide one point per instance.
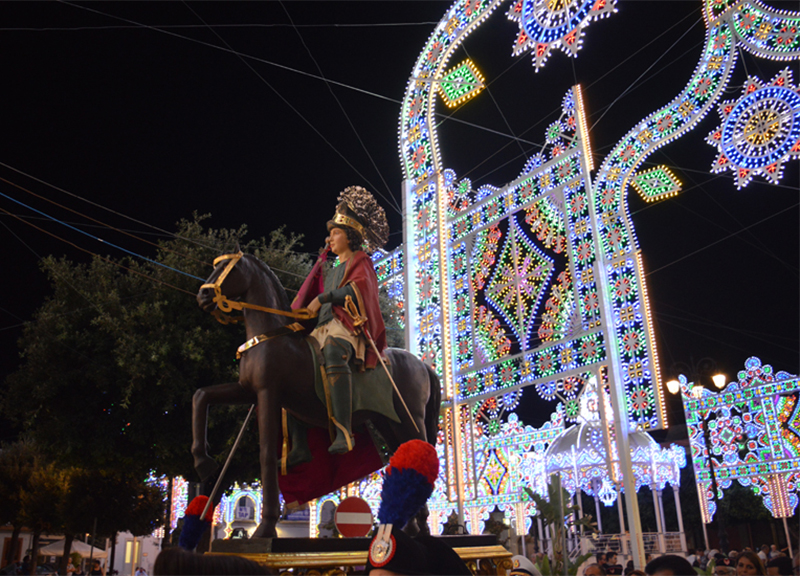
(279, 373)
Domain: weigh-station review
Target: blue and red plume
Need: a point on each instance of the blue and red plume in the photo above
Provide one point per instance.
(193, 525)
(408, 482)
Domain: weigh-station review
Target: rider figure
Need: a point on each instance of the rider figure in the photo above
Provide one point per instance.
(347, 302)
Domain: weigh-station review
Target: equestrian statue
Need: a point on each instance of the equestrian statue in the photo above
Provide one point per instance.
(334, 404)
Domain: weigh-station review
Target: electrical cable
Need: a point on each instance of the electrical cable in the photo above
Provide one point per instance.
(731, 235)
(54, 219)
(97, 255)
(347, 116)
(166, 233)
(109, 226)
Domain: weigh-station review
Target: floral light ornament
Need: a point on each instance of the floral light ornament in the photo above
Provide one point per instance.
(545, 25)
(760, 131)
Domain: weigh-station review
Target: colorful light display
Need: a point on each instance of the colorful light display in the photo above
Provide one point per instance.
(760, 131)
(504, 281)
(580, 454)
(545, 25)
(748, 432)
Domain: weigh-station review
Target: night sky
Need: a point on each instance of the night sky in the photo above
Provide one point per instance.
(147, 110)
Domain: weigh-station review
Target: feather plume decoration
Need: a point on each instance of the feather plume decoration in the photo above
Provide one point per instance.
(363, 203)
(408, 482)
(193, 525)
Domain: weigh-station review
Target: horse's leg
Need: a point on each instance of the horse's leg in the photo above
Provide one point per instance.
(231, 393)
(268, 428)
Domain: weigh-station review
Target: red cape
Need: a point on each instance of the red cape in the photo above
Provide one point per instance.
(361, 275)
(326, 472)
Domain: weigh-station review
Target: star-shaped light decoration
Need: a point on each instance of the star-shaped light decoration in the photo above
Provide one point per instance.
(760, 131)
(545, 25)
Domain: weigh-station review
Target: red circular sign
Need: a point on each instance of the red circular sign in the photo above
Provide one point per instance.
(353, 517)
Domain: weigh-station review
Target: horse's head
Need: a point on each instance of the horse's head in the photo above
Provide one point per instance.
(228, 281)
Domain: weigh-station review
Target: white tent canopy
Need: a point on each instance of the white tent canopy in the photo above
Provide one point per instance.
(57, 549)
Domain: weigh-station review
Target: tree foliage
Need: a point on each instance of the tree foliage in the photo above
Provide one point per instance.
(17, 462)
(560, 514)
(113, 356)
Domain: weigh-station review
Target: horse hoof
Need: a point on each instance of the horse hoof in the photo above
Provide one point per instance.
(265, 532)
(206, 468)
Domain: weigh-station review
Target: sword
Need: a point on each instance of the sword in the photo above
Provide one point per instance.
(359, 322)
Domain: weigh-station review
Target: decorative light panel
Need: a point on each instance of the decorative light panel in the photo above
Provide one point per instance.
(656, 184)
(460, 84)
(760, 131)
(545, 25)
(748, 432)
(506, 278)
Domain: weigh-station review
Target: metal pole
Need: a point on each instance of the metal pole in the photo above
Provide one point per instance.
(788, 538)
(225, 468)
(561, 528)
(662, 546)
(597, 511)
(91, 547)
(680, 519)
(621, 422)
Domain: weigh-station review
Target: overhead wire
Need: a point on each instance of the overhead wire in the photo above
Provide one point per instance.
(97, 205)
(514, 138)
(755, 242)
(189, 26)
(346, 115)
(731, 235)
(67, 282)
(129, 252)
(108, 226)
(166, 233)
(284, 100)
(105, 259)
(555, 110)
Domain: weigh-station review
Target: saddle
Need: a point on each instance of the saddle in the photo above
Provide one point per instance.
(372, 389)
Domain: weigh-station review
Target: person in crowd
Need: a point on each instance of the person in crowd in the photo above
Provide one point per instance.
(780, 566)
(749, 564)
(601, 559)
(521, 566)
(140, 571)
(25, 567)
(594, 569)
(669, 565)
(693, 558)
(773, 551)
(723, 565)
(764, 553)
(612, 567)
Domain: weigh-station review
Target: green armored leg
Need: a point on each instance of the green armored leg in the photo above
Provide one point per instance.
(298, 432)
(337, 354)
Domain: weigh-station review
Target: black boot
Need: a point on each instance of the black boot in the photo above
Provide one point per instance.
(341, 405)
(337, 353)
(298, 433)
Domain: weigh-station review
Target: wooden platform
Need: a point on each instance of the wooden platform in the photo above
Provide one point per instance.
(337, 556)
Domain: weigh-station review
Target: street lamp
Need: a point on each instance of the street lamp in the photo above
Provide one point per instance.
(700, 373)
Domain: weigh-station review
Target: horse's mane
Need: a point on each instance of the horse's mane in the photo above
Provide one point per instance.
(280, 291)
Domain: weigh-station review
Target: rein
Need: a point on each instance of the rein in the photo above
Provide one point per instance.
(226, 306)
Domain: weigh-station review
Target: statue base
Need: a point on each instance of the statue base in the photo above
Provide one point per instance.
(482, 554)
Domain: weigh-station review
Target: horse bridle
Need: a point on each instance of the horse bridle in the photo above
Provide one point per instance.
(226, 306)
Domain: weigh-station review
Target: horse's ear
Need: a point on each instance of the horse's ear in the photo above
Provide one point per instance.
(237, 248)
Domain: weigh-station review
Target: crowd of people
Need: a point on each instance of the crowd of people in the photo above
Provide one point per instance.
(768, 561)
